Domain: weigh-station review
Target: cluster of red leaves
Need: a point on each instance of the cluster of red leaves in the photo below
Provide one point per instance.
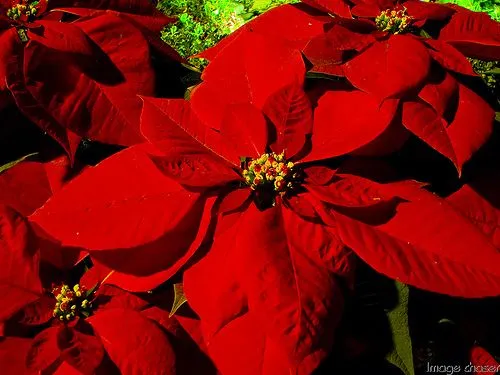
(265, 273)
(75, 68)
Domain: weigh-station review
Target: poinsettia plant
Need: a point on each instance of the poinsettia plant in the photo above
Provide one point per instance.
(74, 68)
(52, 323)
(241, 177)
(406, 62)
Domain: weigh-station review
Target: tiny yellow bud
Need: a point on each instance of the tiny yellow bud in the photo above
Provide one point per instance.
(78, 294)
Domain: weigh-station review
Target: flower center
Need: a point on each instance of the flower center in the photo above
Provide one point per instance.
(394, 21)
(270, 172)
(71, 302)
(23, 10)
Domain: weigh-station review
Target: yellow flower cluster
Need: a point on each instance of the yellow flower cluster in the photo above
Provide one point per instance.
(25, 9)
(70, 302)
(394, 21)
(269, 169)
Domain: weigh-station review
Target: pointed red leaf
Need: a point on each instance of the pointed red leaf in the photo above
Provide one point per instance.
(44, 350)
(449, 57)
(427, 244)
(150, 281)
(20, 257)
(260, 66)
(297, 24)
(390, 68)
(174, 126)
(289, 287)
(127, 6)
(441, 95)
(125, 206)
(290, 111)
(195, 170)
(244, 130)
(37, 312)
(242, 348)
(478, 202)
(483, 362)
(341, 125)
(111, 297)
(420, 10)
(80, 348)
(13, 351)
(64, 37)
(140, 349)
(217, 297)
(474, 34)
(458, 141)
(338, 7)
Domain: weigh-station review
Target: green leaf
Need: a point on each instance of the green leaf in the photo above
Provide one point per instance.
(497, 116)
(179, 298)
(401, 355)
(493, 71)
(4, 167)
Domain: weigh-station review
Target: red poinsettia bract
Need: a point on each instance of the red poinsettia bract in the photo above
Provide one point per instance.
(281, 227)
(402, 64)
(72, 328)
(74, 68)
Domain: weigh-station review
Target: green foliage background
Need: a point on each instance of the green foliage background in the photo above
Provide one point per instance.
(492, 7)
(202, 23)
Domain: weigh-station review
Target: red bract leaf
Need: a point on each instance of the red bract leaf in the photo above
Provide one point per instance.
(177, 129)
(62, 37)
(28, 185)
(234, 200)
(111, 297)
(441, 95)
(29, 105)
(316, 175)
(85, 97)
(37, 312)
(217, 297)
(297, 24)
(19, 256)
(478, 203)
(390, 68)
(25, 187)
(427, 244)
(127, 6)
(13, 352)
(428, 11)
(458, 141)
(289, 288)
(125, 206)
(244, 129)
(140, 349)
(337, 7)
(341, 125)
(449, 57)
(242, 348)
(8, 41)
(195, 170)
(350, 191)
(290, 112)
(44, 350)
(260, 66)
(483, 362)
(80, 348)
(474, 34)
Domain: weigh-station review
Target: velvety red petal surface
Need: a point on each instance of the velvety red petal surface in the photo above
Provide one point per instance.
(19, 253)
(141, 348)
